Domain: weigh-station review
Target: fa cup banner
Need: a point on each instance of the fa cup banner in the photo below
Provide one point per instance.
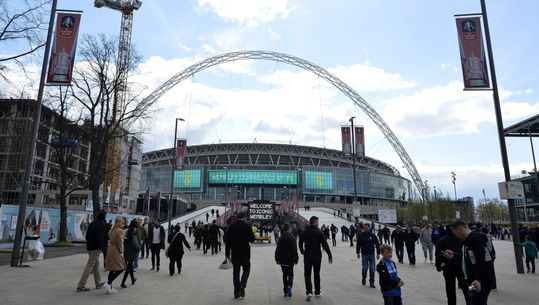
(63, 49)
(472, 53)
(345, 135)
(181, 145)
(360, 140)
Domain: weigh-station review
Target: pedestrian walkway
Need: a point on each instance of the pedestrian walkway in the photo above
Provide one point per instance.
(53, 281)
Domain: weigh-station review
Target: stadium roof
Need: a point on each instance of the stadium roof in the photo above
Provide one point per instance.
(526, 128)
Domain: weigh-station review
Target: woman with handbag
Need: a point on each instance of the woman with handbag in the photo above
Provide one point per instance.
(131, 251)
(175, 250)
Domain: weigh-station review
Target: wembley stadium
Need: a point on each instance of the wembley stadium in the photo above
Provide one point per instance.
(242, 172)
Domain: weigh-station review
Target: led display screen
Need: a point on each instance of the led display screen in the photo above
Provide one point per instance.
(318, 180)
(188, 178)
(253, 177)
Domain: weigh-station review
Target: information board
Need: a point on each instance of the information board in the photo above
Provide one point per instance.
(253, 177)
(261, 210)
(187, 178)
(387, 216)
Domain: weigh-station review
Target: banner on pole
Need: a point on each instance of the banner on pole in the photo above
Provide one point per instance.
(360, 140)
(472, 53)
(181, 145)
(345, 135)
(63, 49)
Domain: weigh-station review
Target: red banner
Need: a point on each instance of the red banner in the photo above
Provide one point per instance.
(359, 133)
(345, 135)
(472, 53)
(63, 48)
(181, 145)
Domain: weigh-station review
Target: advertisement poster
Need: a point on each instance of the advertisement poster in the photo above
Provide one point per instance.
(181, 145)
(472, 53)
(346, 139)
(360, 140)
(261, 210)
(63, 48)
(387, 216)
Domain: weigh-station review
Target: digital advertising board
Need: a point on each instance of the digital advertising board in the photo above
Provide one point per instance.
(253, 177)
(318, 180)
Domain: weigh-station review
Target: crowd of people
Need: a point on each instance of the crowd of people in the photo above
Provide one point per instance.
(463, 253)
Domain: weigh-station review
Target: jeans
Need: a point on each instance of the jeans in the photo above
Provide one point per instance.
(410, 249)
(93, 266)
(530, 260)
(427, 247)
(367, 262)
(175, 259)
(450, 287)
(399, 250)
(129, 271)
(156, 258)
(392, 300)
(309, 265)
(479, 298)
(245, 264)
(288, 277)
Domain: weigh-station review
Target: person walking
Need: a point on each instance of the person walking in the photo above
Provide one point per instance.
(175, 251)
(530, 249)
(277, 233)
(410, 238)
(476, 262)
(214, 236)
(397, 239)
(451, 268)
(390, 282)
(367, 243)
(437, 233)
(221, 238)
(142, 236)
(145, 247)
(385, 234)
(487, 238)
(425, 238)
(310, 241)
(334, 231)
(156, 238)
(286, 255)
(115, 259)
(344, 233)
(95, 244)
(351, 233)
(207, 216)
(237, 248)
(131, 250)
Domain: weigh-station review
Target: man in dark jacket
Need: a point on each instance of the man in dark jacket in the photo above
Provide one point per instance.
(214, 237)
(385, 234)
(410, 238)
(366, 245)
(175, 251)
(437, 232)
(351, 233)
(156, 239)
(238, 249)
(310, 241)
(397, 238)
(451, 268)
(286, 255)
(477, 263)
(95, 243)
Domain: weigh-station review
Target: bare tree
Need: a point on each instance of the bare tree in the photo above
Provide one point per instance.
(23, 25)
(96, 83)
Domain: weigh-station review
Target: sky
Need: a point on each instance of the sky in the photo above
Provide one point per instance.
(402, 57)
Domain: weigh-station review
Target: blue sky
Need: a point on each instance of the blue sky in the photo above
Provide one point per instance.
(401, 56)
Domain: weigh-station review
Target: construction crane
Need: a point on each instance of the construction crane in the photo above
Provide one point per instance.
(111, 181)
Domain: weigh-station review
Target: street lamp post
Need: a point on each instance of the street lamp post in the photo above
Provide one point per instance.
(173, 168)
(226, 188)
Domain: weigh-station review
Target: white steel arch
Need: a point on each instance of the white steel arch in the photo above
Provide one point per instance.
(309, 66)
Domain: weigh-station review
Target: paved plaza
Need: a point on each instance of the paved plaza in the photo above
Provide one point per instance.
(54, 280)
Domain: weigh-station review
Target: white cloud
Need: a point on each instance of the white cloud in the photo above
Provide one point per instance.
(274, 35)
(447, 109)
(364, 77)
(247, 12)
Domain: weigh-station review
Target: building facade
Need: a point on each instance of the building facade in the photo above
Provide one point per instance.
(16, 120)
(219, 173)
(528, 207)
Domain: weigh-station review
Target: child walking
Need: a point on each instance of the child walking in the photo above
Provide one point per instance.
(530, 249)
(390, 283)
(286, 255)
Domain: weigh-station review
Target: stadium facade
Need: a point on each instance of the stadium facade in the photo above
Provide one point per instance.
(240, 172)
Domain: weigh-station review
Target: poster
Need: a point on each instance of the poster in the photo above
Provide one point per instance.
(360, 140)
(345, 135)
(63, 48)
(387, 216)
(180, 152)
(261, 210)
(472, 53)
